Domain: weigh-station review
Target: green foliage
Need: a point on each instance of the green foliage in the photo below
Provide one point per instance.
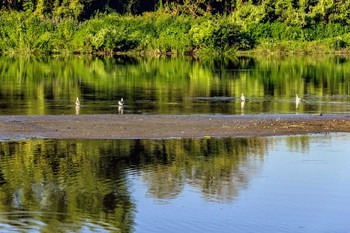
(287, 46)
(292, 12)
(171, 34)
(337, 43)
(219, 36)
(163, 33)
(64, 34)
(105, 33)
(46, 26)
(24, 33)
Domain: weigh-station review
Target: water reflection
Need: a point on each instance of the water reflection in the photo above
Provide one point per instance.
(77, 110)
(120, 109)
(180, 85)
(97, 185)
(242, 107)
(60, 184)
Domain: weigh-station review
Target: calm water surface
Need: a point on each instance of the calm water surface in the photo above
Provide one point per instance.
(272, 184)
(182, 85)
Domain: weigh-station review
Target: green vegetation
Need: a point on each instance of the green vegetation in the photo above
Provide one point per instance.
(91, 26)
(108, 33)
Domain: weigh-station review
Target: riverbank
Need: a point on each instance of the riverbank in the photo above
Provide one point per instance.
(166, 126)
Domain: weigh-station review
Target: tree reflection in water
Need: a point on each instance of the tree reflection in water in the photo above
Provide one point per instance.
(72, 184)
(177, 85)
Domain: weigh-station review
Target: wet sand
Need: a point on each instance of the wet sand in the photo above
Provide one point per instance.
(166, 126)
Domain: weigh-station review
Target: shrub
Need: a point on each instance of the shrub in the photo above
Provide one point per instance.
(220, 36)
(25, 33)
(172, 34)
(106, 33)
(64, 34)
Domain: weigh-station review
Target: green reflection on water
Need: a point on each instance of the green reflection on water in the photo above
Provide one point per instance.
(180, 85)
(71, 183)
(65, 182)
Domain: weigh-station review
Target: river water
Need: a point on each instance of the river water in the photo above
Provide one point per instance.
(180, 85)
(273, 184)
(270, 184)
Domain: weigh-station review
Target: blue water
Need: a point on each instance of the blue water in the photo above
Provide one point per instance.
(290, 190)
(286, 184)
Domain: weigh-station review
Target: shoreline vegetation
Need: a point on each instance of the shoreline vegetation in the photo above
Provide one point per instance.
(174, 27)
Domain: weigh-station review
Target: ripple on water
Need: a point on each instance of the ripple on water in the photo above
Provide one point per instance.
(21, 221)
(28, 221)
(270, 184)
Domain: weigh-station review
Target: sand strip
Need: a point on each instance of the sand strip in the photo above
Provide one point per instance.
(166, 126)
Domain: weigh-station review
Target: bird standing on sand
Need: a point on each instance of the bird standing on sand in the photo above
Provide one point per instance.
(77, 102)
(121, 102)
(243, 98)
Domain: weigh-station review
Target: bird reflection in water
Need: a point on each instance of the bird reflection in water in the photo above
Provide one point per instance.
(120, 106)
(242, 107)
(77, 109)
(243, 101)
(77, 106)
(120, 109)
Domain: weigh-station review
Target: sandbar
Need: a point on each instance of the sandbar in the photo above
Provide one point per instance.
(107, 126)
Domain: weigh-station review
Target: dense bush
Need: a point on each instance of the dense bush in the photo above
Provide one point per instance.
(283, 31)
(20, 32)
(160, 32)
(105, 33)
(168, 33)
(291, 12)
(220, 36)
